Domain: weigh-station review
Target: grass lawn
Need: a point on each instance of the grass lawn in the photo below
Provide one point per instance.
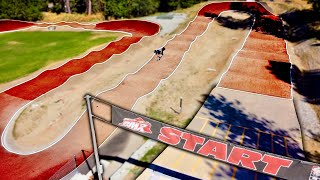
(22, 53)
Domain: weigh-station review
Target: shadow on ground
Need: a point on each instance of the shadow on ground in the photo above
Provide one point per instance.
(241, 174)
(307, 84)
(281, 70)
(234, 114)
(234, 23)
(294, 26)
(299, 25)
(154, 167)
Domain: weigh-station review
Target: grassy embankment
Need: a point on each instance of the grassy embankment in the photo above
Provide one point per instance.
(25, 52)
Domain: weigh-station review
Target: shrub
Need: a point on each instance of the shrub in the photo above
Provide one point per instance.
(315, 5)
(28, 10)
(127, 9)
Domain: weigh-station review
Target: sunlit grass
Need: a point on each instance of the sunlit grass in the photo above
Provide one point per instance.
(22, 53)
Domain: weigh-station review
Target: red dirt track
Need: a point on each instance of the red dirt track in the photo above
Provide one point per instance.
(252, 69)
(44, 164)
(10, 25)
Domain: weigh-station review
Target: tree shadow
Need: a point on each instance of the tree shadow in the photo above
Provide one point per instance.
(154, 167)
(234, 23)
(315, 136)
(307, 84)
(315, 44)
(265, 22)
(314, 156)
(270, 138)
(281, 70)
(251, 7)
(269, 24)
(300, 25)
(241, 173)
(259, 133)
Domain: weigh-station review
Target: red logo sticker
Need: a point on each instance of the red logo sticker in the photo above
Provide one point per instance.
(137, 124)
(315, 173)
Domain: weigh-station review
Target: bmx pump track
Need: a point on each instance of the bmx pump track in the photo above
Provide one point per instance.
(44, 164)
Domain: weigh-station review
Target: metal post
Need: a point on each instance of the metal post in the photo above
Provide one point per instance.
(94, 140)
(180, 105)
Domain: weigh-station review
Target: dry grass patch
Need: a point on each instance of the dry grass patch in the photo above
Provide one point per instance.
(53, 17)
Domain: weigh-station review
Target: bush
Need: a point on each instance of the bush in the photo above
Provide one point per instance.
(137, 8)
(170, 5)
(126, 9)
(28, 10)
(315, 5)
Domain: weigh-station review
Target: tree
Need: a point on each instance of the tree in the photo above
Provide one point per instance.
(170, 5)
(116, 9)
(315, 5)
(58, 6)
(89, 8)
(29, 10)
(143, 7)
(97, 6)
(83, 6)
(68, 6)
(78, 6)
(132, 8)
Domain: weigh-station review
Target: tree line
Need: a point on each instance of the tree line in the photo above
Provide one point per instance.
(30, 10)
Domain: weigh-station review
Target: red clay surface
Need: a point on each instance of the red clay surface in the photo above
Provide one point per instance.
(45, 163)
(255, 77)
(255, 67)
(10, 25)
(262, 65)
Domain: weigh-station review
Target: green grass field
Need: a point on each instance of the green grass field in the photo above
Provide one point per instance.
(22, 53)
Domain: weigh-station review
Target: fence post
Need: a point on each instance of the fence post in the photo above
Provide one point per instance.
(93, 135)
(180, 104)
